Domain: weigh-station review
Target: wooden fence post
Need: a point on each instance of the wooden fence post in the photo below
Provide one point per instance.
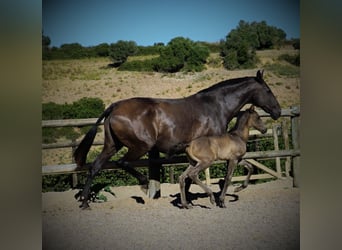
(172, 175)
(207, 177)
(296, 145)
(154, 174)
(287, 147)
(74, 175)
(276, 147)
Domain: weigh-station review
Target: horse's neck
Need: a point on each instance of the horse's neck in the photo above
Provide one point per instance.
(233, 98)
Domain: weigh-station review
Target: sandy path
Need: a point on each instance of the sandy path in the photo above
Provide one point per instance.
(266, 216)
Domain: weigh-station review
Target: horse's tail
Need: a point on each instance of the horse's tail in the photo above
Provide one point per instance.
(80, 154)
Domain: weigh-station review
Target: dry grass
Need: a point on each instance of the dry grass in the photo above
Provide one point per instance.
(66, 81)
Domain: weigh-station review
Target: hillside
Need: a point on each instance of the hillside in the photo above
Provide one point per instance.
(65, 81)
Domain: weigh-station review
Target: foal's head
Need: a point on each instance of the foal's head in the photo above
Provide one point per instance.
(254, 120)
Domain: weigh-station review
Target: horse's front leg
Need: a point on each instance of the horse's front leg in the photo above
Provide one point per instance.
(231, 164)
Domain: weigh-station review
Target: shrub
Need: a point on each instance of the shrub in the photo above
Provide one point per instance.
(238, 50)
(293, 59)
(120, 51)
(146, 65)
(83, 108)
(283, 70)
(181, 54)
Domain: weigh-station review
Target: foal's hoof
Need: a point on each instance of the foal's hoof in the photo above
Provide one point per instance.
(186, 206)
(212, 200)
(222, 205)
(238, 189)
(144, 188)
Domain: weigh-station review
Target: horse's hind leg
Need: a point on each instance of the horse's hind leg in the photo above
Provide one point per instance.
(134, 153)
(250, 171)
(107, 151)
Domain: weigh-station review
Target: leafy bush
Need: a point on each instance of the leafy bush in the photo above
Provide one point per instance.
(238, 50)
(120, 51)
(83, 108)
(137, 65)
(296, 43)
(293, 59)
(283, 70)
(181, 54)
(57, 183)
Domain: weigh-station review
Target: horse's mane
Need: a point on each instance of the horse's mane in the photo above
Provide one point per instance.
(226, 83)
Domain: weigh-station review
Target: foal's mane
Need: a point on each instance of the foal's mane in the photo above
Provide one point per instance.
(241, 118)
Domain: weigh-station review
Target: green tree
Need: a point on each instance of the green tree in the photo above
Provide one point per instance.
(238, 51)
(102, 49)
(120, 51)
(46, 41)
(239, 48)
(181, 54)
(72, 51)
(296, 43)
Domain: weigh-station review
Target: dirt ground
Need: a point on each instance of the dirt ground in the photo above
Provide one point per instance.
(263, 216)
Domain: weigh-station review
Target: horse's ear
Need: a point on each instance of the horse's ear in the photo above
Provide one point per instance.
(260, 74)
(252, 108)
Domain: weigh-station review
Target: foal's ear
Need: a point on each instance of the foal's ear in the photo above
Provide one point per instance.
(252, 108)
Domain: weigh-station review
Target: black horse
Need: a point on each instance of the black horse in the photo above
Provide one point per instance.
(165, 125)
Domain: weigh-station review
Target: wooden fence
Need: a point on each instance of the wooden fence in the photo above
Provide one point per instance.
(291, 155)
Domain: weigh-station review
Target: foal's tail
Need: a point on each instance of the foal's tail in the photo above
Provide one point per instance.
(80, 154)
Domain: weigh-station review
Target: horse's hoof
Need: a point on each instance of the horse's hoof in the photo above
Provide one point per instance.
(85, 206)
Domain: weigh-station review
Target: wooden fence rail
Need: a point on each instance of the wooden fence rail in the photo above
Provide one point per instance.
(294, 154)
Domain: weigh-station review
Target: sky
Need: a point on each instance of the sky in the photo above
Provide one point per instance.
(91, 22)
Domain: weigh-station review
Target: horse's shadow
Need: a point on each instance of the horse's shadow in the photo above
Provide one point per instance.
(94, 191)
(195, 196)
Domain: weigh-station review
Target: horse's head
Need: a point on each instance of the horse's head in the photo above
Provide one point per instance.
(255, 121)
(264, 98)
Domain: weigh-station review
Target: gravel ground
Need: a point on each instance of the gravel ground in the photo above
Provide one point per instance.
(263, 216)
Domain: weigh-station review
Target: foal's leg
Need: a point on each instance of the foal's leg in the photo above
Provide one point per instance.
(231, 164)
(250, 171)
(182, 178)
(193, 174)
